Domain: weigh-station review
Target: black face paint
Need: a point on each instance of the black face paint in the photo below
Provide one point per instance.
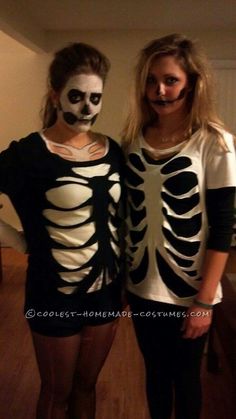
(70, 118)
(80, 101)
(85, 110)
(75, 96)
(165, 102)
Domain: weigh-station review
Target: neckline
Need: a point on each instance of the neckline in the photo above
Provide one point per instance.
(162, 152)
(44, 140)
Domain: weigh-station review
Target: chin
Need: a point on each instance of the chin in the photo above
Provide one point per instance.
(167, 109)
(82, 127)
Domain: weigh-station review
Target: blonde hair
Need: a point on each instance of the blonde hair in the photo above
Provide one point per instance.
(202, 113)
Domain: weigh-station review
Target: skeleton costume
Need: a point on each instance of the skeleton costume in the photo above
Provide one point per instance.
(69, 202)
(69, 211)
(178, 206)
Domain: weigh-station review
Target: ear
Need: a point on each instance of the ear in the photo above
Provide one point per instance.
(54, 97)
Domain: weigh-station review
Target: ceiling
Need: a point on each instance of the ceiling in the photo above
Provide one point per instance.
(131, 14)
(9, 45)
(34, 18)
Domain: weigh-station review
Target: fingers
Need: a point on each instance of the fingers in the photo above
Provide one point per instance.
(193, 333)
(196, 323)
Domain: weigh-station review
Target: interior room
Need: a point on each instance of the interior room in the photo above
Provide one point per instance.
(30, 32)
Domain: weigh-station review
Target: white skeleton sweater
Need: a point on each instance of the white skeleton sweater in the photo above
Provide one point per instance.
(70, 215)
(176, 208)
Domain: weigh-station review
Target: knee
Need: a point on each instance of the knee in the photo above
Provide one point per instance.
(57, 393)
(84, 384)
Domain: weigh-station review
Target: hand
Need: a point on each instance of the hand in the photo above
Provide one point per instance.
(197, 322)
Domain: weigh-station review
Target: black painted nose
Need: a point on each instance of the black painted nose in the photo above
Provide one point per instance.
(85, 110)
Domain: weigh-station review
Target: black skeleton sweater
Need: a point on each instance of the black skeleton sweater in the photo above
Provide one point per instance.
(70, 215)
(178, 207)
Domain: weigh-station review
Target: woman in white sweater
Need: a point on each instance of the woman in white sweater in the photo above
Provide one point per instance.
(181, 177)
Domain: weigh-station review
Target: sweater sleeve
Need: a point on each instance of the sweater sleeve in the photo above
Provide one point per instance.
(220, 212)
(11, 172)
(220, 194)
(221, 164)
(11, 182)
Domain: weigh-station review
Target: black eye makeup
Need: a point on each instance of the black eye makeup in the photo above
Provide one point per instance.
(95, 98)
(75, 95)
(151, 79)
(170, 80)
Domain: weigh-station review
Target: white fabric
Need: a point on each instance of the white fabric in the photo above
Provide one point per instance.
(213, 168)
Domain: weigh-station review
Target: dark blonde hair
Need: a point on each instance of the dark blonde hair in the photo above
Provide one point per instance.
(76, 58)
(200, 100)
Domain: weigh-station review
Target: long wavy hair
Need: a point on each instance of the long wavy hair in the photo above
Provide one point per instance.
(200, 100)
(76, 58)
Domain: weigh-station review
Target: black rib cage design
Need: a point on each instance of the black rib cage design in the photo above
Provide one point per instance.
(165, 221)
(82, 219)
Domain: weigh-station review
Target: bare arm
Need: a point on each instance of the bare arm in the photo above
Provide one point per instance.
(11, 237)
(200, 318)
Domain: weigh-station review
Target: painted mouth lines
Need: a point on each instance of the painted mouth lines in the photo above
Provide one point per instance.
(162, 102)
(72, 119)
(84, 118)
(165, 102)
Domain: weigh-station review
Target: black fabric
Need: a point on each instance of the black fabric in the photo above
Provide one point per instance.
(172, 363)
(93, 310)
(29, 173)
(220, 212)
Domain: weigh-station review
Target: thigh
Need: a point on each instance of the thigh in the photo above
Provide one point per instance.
(189, 355)
(155, 339)
(155, 333)
(188, 392)
(56, 358)
(95, 345)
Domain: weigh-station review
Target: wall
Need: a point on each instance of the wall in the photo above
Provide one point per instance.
(23, 76)
(122, 48)
(17, 23)
(22, 83)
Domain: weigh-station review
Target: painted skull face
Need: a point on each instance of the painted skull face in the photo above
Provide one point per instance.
(81, 101)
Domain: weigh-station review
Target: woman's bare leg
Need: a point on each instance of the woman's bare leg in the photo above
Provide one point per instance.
(57, 358)
(95, 344)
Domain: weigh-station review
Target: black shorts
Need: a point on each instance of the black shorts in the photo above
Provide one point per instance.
(67, 319)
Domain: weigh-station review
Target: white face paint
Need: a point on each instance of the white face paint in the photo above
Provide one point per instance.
(81, 101)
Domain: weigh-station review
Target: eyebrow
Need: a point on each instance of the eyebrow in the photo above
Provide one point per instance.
(165, 75)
